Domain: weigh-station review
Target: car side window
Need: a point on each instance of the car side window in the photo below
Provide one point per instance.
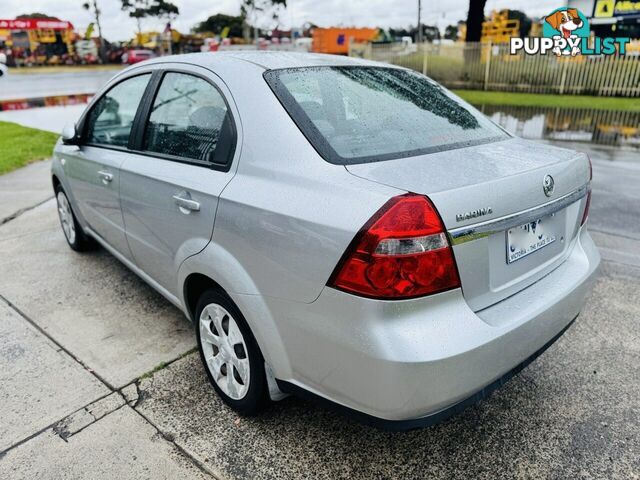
(188, 118)
(111, 118)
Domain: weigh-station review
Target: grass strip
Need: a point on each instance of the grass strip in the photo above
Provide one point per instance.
(20, 145)
(481, 97)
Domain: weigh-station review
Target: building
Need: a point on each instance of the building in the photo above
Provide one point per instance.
(336, 40)
(611, 18)
(500, 27)
(35, 39)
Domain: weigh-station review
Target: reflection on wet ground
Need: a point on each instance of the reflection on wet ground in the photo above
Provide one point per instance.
(602, 127)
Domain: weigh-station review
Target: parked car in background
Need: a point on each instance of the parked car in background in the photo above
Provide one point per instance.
(4, 70)
(335, 228)
(134, 56)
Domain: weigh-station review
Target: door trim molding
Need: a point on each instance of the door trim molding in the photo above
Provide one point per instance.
(134, 268)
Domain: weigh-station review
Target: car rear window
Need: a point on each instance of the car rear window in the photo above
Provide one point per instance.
(360, 114)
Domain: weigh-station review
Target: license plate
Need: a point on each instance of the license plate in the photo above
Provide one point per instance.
(528, 238)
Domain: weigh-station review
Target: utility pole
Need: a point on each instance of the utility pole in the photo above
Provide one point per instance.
(290, 8)
(93, 5)
(419, 39)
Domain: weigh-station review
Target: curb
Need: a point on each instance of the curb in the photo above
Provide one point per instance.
(49, 101)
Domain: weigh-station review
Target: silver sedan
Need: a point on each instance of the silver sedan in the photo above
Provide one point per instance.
(338, 229)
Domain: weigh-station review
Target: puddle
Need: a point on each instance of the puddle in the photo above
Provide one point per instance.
(601, 127)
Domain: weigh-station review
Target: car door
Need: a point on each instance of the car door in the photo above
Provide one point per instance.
(93, 167)
(169, 190)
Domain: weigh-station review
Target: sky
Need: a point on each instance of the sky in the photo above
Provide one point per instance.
(116, 25)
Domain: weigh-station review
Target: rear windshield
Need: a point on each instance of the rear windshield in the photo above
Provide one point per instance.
(367, 114)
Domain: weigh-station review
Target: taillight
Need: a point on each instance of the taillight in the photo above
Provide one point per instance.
(587, 204)
(401, 252)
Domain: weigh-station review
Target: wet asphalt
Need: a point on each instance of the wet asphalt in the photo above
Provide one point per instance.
(34, 85)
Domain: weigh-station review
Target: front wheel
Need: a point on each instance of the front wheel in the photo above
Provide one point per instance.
(230, 354)
(76, 238)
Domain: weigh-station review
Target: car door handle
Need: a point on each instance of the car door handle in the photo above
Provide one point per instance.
(105, 176)
(186, 204)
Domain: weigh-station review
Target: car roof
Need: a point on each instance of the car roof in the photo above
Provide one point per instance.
(267, 60)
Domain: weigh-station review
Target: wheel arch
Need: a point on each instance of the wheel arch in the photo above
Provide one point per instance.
(58, 180)
(55, 181)
(215, 268)
(194, 286)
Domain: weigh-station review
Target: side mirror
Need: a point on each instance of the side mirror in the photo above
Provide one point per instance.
(69, 134)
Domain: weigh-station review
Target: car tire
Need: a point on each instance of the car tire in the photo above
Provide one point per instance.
(73, 233)
(230, 354)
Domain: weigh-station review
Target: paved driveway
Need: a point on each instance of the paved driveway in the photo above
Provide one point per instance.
(98, 379)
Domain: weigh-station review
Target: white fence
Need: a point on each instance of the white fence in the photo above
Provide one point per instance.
(491, 67)
(280, 47)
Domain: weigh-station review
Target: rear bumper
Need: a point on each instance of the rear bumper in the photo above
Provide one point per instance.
(421, 422)
(411, 363)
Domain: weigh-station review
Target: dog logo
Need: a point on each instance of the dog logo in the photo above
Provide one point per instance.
(569, 24)
(565, 21)
(566, 33)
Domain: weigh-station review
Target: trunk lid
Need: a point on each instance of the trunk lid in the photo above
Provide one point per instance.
(500, 184)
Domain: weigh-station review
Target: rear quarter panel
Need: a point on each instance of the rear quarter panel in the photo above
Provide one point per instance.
(287, 216)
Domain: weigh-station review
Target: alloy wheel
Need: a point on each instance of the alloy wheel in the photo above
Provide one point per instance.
(66, 217)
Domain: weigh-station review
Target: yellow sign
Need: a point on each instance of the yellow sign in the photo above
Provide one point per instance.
(604, 8)
(616, 8)
(89, 32)
(627, 7)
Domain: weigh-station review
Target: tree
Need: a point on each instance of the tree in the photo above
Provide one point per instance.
(475, 17)
(216, 23)
(163, 9)
(92, 6)
(254, 11)
(135, 11)
(140, 9)
(430, 33)
(401, 32)
(42, 16)
(525, 22)
(451, 32)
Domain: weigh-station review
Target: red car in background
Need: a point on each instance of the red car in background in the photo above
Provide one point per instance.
(135, 56)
